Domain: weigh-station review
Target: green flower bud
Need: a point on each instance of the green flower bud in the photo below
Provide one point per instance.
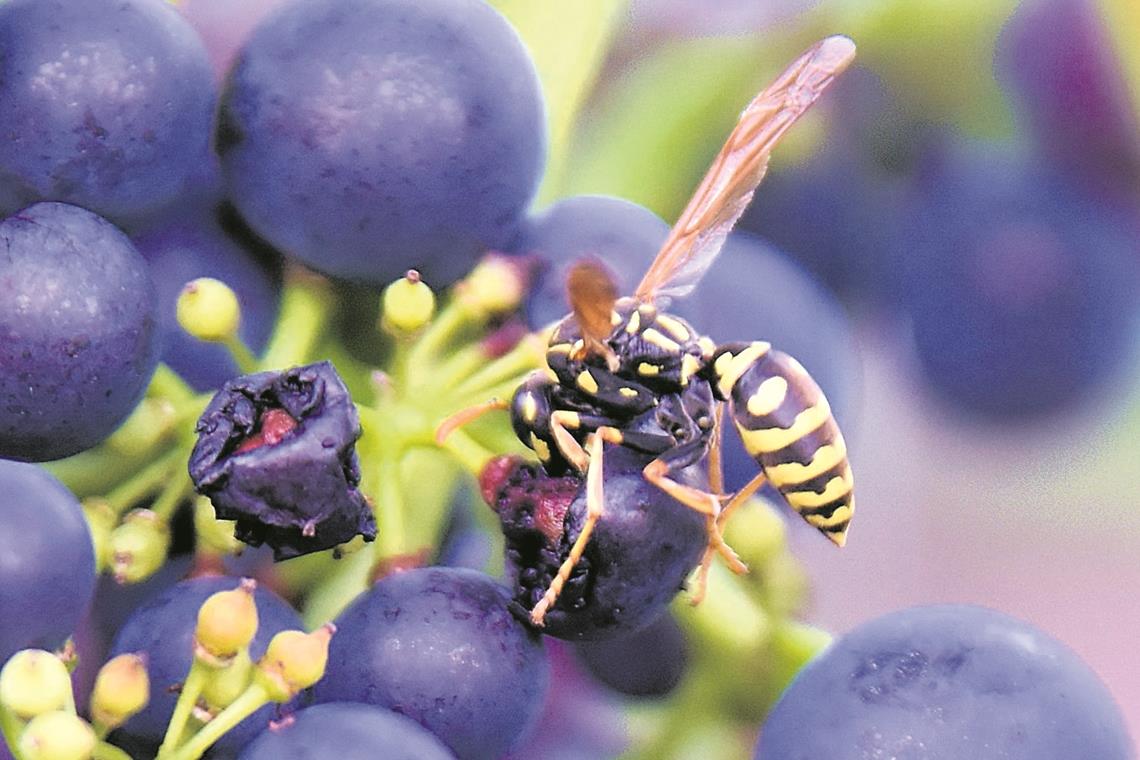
(408, 304)
(208, 309)
(138, 546)
(227, 622)
(294, 660)
(496, 285)
(122, 688)
(58, 735)
(34, 682)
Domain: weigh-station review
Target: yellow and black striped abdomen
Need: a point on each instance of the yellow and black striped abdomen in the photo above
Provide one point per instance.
(786, 425)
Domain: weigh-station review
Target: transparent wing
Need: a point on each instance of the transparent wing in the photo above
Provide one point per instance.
(727, 188)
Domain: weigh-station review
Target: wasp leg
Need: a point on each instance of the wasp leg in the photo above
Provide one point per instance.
(738, 498)
(706, 503)
(716, 468)
(595, 507)
(466, 416)
(561, 422)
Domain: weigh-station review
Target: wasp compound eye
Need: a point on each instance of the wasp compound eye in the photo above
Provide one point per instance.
(276, 453)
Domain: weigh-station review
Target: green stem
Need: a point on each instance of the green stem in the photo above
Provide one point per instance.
(305, 306)
(166, 383)
(11, 726)
(442, 330)
(176, 490)
(520, 360)
(241, 708)
(145, 482)
(460, 365)
(107, 751)
(467, 451)
(242, 356)
(505, 390)
(389, 508)
(184, 707)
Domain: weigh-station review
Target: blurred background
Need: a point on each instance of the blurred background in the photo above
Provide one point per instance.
(949, 243)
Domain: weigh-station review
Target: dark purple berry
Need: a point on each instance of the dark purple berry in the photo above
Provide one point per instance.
(79, 337)
(945, 683)
(649, 662)
(276, 452)
(47, 559)
(641, 551)
(347, 731)
(440, 646)
(367, 137)
(106, 104)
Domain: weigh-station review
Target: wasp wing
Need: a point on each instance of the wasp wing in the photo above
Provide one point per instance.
(727, 188)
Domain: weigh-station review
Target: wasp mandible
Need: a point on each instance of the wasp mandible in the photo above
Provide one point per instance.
(623, 371)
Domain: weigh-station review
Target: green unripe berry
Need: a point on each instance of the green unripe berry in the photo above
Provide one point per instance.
(122, 688)
(757, 532)
(139, 546)
(58, 735)
(407, 304)
(34, 682)
(294, 660)
(208, 309)
(227, 622)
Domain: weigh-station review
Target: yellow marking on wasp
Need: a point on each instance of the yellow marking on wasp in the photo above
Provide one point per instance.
(836, 489)
(838, 517)
(628, 392)
(634, 323)
(559, 348)
(673, 327)
(529, 408)
(540, 447)
(550, 374)
(645, 368)
(708, 348)
(768, 396)
(571, 420)
(587, 382)
(824, 458)
(773, 439)
(661, 341)
(729, 367)
(615, 318)
(578, 347)
(690, 365)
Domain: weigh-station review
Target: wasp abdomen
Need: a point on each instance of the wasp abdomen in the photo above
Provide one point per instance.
(786, 425)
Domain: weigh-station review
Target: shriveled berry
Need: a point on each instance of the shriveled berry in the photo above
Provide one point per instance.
(275, 452)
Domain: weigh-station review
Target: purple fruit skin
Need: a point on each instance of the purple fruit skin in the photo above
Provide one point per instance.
(163, 629)
(649, 662)
(298, 495)
(943, 683)
(48, 560)
(107, 104)
(79, 337)
(440, 646)
(367, 137)
(183, 247)
(347, 731)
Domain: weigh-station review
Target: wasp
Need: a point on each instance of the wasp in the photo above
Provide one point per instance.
(624, 371)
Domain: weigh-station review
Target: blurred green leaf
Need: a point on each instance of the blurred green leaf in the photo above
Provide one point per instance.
(936, 55)
(1122, 19)
(568, 42)
(650, 136)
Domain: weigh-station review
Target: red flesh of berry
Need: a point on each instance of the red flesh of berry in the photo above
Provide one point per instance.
(273, 426)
